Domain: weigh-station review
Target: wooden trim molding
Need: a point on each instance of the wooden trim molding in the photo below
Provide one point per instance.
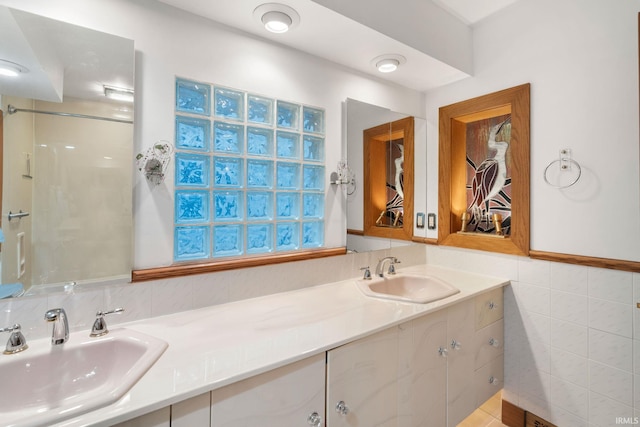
(452, 191)
(376, 141)
(425, 240)
(179, 270)
(355, 232)
(512, 416)
(612, 264)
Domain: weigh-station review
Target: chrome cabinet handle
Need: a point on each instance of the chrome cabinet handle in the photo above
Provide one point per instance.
(456, 345)
(314, 420)
(492, 305)
(494, 342)
(342, 408)
(443, 351)
(493, 380)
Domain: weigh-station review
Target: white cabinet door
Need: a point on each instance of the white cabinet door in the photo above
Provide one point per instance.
(422, 381)
(286, 396)
(194, 412)
(159, 418)
(362, 379)
(461, 397)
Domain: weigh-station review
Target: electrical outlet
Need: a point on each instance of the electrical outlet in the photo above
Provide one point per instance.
(431, 221)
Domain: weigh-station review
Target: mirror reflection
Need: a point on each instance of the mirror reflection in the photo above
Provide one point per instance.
(380, 151)
(67, 151)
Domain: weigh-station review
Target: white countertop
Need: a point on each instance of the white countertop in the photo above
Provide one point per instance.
(219, 345)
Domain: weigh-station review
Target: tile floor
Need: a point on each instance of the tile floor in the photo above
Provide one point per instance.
(488, 415)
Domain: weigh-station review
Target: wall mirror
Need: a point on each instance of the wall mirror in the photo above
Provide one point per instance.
(377, 139)
(67, 155)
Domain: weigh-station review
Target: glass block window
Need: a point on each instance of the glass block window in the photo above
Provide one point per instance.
(249, 173)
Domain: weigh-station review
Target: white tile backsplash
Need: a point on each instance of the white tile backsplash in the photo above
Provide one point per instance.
(570, 337)
(570, 397)
(611, 285)
(611, 349)
(570, 307)
(572, 361)
(611, 382)
(611, 317)
(569, 278)
(570, 367)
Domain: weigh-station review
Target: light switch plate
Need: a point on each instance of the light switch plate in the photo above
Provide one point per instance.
(431, 221)
(420, 220)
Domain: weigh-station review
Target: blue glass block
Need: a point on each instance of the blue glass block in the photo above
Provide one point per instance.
(228, 104)
(228, 138)
(313, 148)
(192, 170)
(313, 205)
(288, 145)
(259, 141)
(259, 205)
(259, 173)
(313, 177)
(288, 175)
(227, 206)
(259, 238)
(227, 240)
(191, 206)
(190, 243)
(288, 205)
(260, 110)
(228, 171)
(288, 115)
(192, 134)
(287, 236)
(193, 97)
(313, 120)
(312, 234)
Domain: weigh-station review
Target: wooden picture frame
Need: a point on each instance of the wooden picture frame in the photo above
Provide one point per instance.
(376, 142)
(513, 106)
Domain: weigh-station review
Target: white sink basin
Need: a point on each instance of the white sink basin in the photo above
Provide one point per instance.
(407, 287)
(47, 384)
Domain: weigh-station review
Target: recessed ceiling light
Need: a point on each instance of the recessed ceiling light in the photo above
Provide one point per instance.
(388, 63)
(276, 17)
(11, 69)
(118, 94)
(276, 22)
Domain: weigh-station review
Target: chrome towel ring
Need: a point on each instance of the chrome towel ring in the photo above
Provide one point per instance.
(565, 163)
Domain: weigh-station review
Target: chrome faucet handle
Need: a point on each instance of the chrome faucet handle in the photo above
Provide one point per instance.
(60, 333)
(392, 263)
(100, 326)
(367, 273)
(17, 342)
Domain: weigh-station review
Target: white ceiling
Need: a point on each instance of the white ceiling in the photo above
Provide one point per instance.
(62, 59)
(346, 41)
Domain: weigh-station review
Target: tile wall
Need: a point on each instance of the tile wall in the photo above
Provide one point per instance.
(161, 297)
(570, 336)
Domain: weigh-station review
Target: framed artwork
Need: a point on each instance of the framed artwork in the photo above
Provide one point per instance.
(483, 187)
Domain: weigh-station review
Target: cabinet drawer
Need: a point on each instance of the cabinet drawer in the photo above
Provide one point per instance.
(489, 308)
(489, 343)
(489, 380)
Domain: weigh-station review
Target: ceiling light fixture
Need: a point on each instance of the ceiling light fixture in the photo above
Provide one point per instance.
(118, 93)
(388, 63)
(276, 18)
(11, 69)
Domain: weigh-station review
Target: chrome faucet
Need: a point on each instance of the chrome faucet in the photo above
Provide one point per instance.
(380, 267)
(99, 325)
(60, 334)
(16, 342)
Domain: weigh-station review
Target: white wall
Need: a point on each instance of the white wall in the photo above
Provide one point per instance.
(572, 333)
(581, 58)
(18, 139)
